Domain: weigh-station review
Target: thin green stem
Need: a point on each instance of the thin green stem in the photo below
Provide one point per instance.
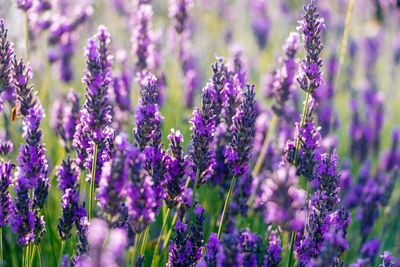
(1, 245)
(39, 255)
(26, 37)
(61, 252)
(32, 256)
(135, 245)
(23, 257)
(303, 120)
(290, 262)
(194, 194)
(92, 182)
(263, 151)
(227, 200)
(155, 253)
(144, 242)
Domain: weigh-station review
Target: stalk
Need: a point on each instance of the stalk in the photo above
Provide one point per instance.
(1, 245)
(290, 262)
(32, 255)
(92, 182)
(135, 244)
(227, 200)
(155, 253)
(40, 255)
(144, 242)
(261, 157)
(26, 36)
(303, 120)
(61, 252)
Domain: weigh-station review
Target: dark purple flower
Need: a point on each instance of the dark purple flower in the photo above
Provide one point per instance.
(251, 247)
(25, 5)
(113, 180)
(260, 22)
(311, 26)
(387, 260)
(187, 245)
(389, 160)
(176, 165)
(218, 81)
(239, 150)
(178, 9)
(284, 202)
(203, 127)
(5, 198)
(82, 244)
(230, 254)
(272, 255)
(213, 247)
(6, 52)
(370, 249)
(141, 32)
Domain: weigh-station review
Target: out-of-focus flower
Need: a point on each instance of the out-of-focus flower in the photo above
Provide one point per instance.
(239, 150)
(272, 255)
(5, 197)
(25, 5)
(178, 10)
(251, 247)
(230, 254)
(260, 21)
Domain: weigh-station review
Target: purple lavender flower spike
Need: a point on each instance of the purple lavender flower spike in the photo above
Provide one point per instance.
(370, 249)
(218, 81)
(238, 152)
(284, 202)
(272, 256)
(24, 5)
(141, 35)
(251, 247)
(283, 78)
(68, 175)
(81, 224)
(310, 76)
(187, 245)
(114, 177)
(203, 127)
(230, 254)
(32, 164)
(213, 247)
(94, 127)
(6, 52)
(389, 159)
(387, 260)
(260, 22)
(178, 9)
(66, 119)
(5, 198)
(176, 165)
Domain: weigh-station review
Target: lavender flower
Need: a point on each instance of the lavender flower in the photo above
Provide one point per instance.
(176, 165)
(203, 127)
(94, 127)
(140, 195)
(284, 202)
(370, 249)
(283, 77)
(238, 152)
(66, 119)
(213, 247)
(5, 198)
(113, 181)
(178, 10)
(387, 260)
(141, 35)
(6, 52)
(218, 81)
(81, 224)
(187, 245)
(68, 174)
(32, 164)
(250, 247)
(230, 254)
(24, 5)
(272, 256)
(260, 22)
(310, 76)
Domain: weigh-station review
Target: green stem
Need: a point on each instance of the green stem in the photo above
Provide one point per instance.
(155, 253)
(135, 244)
(303, 120)
(40, 255)
(290, 262)
(26, 37)
(144, 242)
(23, 256)
(261, 156)
(61, 252)
(1, 245)
(194, 194)
(92, 182)
(227, 200)
(32, 255)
